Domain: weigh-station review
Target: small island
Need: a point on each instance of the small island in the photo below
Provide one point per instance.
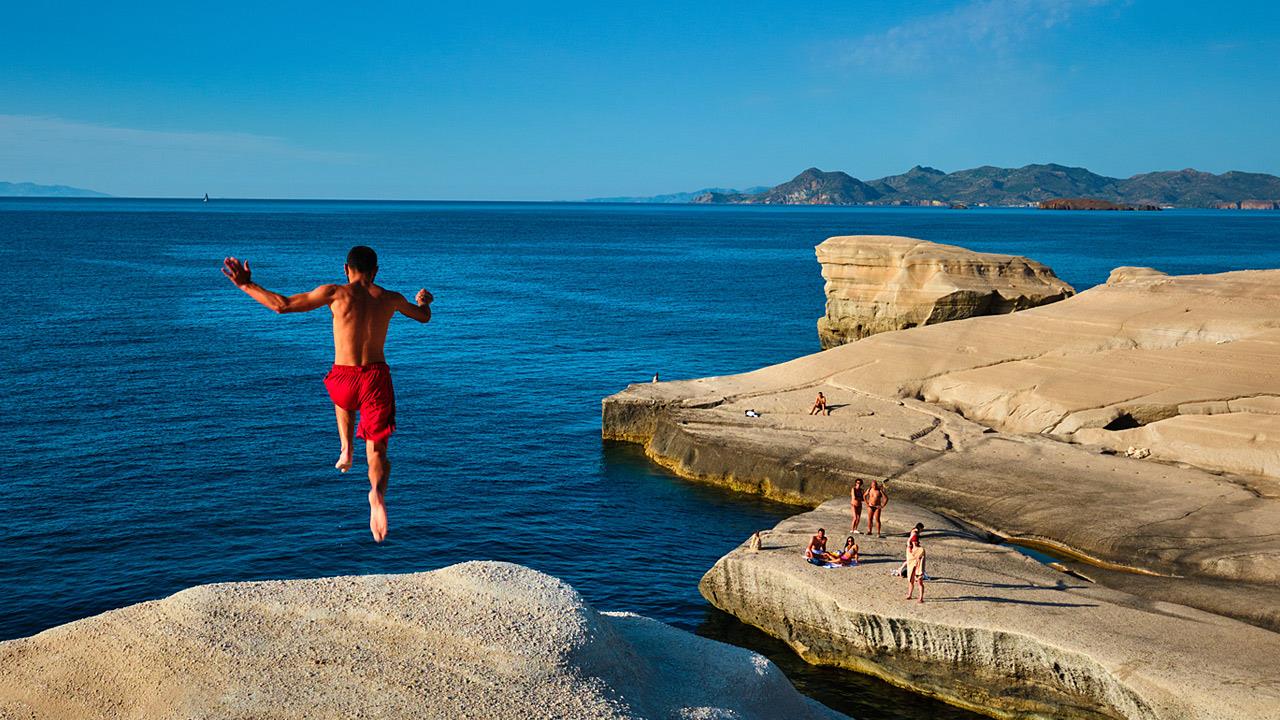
(1090, 204)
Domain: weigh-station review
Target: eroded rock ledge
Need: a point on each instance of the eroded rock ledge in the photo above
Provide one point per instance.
(879, 283)
(999, 633)
(481, 639)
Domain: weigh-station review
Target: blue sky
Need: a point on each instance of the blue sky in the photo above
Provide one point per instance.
(564, 100)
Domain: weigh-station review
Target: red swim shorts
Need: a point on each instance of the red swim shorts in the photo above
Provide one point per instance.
(367, 389)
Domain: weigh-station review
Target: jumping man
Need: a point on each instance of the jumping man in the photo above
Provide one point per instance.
(360, 380)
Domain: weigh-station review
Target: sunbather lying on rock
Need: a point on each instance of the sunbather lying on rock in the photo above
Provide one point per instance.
(848, 556)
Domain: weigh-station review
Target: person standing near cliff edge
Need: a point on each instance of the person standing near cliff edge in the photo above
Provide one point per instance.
(360, 380)
(856, 497)
(877, 498)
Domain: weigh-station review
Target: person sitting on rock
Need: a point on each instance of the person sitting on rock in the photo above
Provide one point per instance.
(848, 556)
(817, 550)
(820, 406)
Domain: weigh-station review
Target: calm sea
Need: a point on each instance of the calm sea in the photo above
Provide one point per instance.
(166, 431)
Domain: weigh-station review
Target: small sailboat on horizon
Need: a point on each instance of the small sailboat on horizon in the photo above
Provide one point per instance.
(206, 197)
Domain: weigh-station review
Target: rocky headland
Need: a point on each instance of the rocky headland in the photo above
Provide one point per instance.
(879, 283)
(1133, 430)
(481, 639)
(1022, 187)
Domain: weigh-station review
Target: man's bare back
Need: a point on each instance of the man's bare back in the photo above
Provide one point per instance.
(360, 380)
(362, 313)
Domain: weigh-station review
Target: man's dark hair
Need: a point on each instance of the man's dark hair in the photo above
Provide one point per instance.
(362, 259)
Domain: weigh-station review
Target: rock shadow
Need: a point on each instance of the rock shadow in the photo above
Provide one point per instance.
(1006, 601)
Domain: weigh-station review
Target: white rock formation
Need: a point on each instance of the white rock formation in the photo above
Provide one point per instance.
(998, 632)
(878, 283)
(481, 639)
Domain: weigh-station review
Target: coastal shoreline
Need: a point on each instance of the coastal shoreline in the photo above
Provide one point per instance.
(983, 425)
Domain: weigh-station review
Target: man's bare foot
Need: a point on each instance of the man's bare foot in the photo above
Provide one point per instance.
(344, 461)
(377, 516)
(920, 601)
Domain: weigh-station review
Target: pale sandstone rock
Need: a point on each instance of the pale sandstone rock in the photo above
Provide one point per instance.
(1133, 351)
(483, 640)
(1198, 530)
(878, 283)
(999, 632)
(1240, 442)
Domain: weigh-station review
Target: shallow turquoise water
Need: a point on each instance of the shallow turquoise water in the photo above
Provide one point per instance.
(166, 431)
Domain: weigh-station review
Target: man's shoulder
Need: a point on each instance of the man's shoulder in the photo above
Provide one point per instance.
(385, 294)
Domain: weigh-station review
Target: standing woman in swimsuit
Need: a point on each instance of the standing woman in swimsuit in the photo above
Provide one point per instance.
(856, 494)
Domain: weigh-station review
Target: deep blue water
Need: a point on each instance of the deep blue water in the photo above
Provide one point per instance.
(164, 430)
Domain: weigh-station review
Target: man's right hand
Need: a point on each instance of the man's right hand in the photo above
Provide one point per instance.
(424, 298)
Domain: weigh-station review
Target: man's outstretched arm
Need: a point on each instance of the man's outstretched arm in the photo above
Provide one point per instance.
(420, 312)
(238, 273)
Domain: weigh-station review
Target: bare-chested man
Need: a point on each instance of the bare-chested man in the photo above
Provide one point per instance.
(817, 550)
(360, 380)
(877, 498)
(819, 406)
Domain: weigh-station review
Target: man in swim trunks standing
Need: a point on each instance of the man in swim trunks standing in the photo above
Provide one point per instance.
(877, 498)
(360, 380)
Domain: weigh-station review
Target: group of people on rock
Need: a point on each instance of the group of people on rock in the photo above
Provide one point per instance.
(818, 554)
(875, 498)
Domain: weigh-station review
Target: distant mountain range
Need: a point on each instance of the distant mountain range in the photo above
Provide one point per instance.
(26, 189)
(1007, 187)
(680, 197)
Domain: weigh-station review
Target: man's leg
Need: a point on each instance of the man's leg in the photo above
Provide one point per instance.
(346, 428)
(379, 474)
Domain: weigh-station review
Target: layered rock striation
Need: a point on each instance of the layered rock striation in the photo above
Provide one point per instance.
(999, 632)
(879, 283)
(481, 639)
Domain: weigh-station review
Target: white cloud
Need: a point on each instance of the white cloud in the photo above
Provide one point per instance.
(995, 28)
